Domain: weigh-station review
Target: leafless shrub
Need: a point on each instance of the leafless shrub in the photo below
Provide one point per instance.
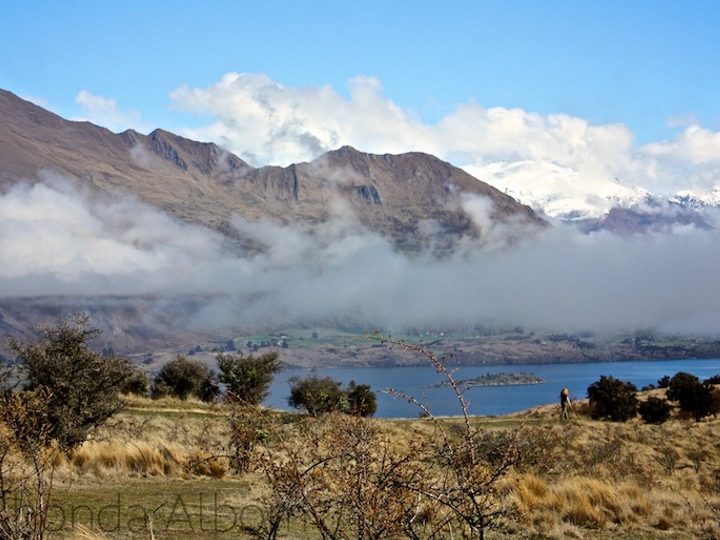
(27, 464)
(471, 462)
(338, 472)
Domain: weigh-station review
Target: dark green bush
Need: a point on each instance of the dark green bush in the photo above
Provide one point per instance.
(612, 399)
(138, 384)
(182, 378)
(320, 395)
(361, 400)
(655, 410)
(681, 385)
(248, 378)
(82, 385)
(695, 399)
(317, 395)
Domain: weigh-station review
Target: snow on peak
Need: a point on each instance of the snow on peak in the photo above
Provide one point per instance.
(557, 191)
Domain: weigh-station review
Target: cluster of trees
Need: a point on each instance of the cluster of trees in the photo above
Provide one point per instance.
(615, 400)
(84, 388)
(321, 395)
(247, 379)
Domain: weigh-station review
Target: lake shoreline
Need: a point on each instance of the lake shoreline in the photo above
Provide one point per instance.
(423, 384)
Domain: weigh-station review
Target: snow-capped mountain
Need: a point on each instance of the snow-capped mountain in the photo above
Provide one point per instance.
(596, 201)
(690, 199)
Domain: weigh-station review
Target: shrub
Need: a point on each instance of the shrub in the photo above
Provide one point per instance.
(680, 384)
(322, 395)
(317, 395)
(612, 399)
(248, 378)
(83, 385)
(694, 398)
(655, 410)
(181, 378)
(26, 435)
(137, 384)
(361, 400)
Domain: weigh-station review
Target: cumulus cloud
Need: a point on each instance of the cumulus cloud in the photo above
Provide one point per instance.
(690, 161)
(268, 123)
(106, 112)
(265, 122)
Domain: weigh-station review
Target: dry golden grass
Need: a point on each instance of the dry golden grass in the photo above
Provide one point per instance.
(576, 479)
(130, 458)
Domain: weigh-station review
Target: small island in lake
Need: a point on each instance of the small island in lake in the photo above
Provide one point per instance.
(500, 379)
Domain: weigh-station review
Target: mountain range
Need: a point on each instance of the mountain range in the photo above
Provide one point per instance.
(563, 194)
(397, 196)
(416, 202)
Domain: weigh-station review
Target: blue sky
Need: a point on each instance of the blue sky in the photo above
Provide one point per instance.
(642, 72)
(642, 63)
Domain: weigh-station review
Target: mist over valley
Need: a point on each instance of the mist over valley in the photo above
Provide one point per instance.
(169, 243)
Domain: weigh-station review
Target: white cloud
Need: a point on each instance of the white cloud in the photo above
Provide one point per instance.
(94, 244)
(55, 239)
(267, 123)
(106, 112)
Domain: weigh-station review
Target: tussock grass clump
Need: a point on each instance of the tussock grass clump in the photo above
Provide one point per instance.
(108, 458)
(204, 463)
(579, 501)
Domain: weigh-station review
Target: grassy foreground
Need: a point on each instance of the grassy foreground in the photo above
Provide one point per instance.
(161, 470)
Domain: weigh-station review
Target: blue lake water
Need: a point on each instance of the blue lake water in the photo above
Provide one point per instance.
(420, 382)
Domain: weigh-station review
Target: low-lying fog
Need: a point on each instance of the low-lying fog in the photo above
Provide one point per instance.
(58, 240)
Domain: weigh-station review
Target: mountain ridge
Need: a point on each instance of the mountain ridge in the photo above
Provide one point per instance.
(202, 183)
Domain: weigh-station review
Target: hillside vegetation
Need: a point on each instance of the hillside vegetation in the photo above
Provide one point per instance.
(575, 479)
(228, 468)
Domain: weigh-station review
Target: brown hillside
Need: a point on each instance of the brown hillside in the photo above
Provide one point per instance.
(202, 183)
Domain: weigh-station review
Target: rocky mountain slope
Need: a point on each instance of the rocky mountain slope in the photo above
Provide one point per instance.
(394, 195)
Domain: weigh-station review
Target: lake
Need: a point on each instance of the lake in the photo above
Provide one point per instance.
(420, 382)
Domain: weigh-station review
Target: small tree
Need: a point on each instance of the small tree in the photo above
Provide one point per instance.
(83, 385)
(680, 385)
(28, 459)
(317, 395)
(138, 384)
(361, 400)
(693, 397)
(612, 399)
(655, 410)
(248, 378)
(182, 378)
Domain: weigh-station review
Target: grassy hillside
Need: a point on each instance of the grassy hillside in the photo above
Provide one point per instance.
(166, 470)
